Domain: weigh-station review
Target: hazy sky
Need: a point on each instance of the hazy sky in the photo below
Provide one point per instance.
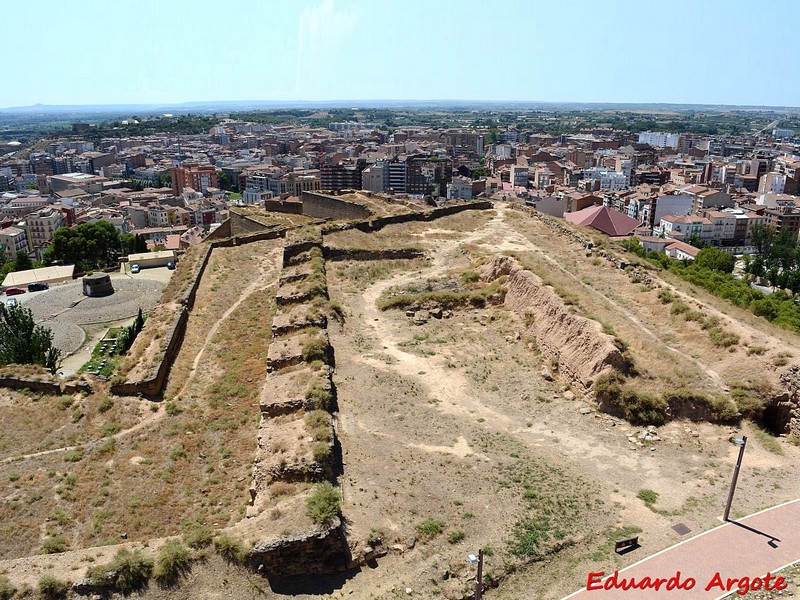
(152, 51)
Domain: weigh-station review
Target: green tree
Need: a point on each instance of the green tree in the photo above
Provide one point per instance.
(140, 245)
(224, 181)
(716, 259)
(88, 246)
(23, 342)
(165, 180)
(22, 262)
(128, 242)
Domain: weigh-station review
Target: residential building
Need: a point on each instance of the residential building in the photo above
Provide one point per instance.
(375, 178)
(195, 176)
(41, 226)
(397, 176)
(157, 216)
(519, 176)
(340, 177)
(685, 227)
(13, 241)
(459, 189)
(659, 139)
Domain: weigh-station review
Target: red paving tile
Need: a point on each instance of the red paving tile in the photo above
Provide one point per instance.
(749, 547)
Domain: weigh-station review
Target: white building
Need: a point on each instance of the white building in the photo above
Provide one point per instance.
(157, 216)
(41, 225)
(13, 241)
(609, 180)
(375, 178)
(459, 189)
(659, 139)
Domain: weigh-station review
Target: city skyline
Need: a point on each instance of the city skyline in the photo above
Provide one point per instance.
(332, 51)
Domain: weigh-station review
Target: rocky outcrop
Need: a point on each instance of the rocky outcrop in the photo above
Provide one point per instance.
(582, 349)
(782, 415)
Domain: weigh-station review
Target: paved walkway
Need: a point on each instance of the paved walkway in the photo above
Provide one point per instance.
(748, 547)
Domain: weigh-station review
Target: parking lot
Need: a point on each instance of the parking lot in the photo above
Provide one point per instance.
(64, 308)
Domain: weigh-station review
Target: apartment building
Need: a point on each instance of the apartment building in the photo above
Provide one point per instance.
(195, 176)
(41, 226)
(13, 241)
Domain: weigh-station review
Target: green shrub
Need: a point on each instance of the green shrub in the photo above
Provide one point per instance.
(128, 571)
(666, 296)
(721, 338)
(748, 406)
(337, 311)
(230, 549)
(724, 410)
(608, 387)
(429, 529)
(319, 422)
(198, 535)
(319, 394)
(321, 451)
(468, 277)
(649, 497)
(324, 503)
(641, 408)
(315, 348)
(105, 404)
(172, 408)
(75, 455)
(678, 307)
(52, 588)
(455, 536)
(7, 590)
(54, 545)
(174, 560)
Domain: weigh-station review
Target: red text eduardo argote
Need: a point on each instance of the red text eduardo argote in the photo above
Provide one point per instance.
(679, 582)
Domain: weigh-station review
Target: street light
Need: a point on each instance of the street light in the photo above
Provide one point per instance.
(741, 443)
(477, 561)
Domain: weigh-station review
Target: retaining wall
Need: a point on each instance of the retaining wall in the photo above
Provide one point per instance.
(323, 206)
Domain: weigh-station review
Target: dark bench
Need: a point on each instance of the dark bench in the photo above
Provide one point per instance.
(626, 544)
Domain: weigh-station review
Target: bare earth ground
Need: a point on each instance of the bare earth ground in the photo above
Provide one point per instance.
(449, 421)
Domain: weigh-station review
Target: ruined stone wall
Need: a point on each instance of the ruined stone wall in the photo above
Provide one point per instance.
(153, 384)
(291, 208)
(332, 253)
(324, 206)
(53, 388)
(582, 349)
(322, 551)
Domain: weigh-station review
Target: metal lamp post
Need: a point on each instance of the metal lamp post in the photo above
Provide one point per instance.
(477, 561)
(741, 443)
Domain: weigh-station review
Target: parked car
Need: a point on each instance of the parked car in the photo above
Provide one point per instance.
(12, 303)
(135, 268)
(38, 286)
(171, 265)
(13, 291)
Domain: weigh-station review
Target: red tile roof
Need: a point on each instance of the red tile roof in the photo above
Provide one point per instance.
(609, 221)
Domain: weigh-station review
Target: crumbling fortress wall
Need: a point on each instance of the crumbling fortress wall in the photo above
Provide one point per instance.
(296, 435)
(584, 352)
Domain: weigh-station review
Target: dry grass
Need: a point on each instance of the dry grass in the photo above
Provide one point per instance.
(357, 275)
(34, 422)
(191, 465)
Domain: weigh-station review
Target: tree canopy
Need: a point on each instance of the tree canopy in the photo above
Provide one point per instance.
(716, 259)
(23, 342)
(88, 246)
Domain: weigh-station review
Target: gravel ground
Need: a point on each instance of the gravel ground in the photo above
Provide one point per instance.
(54, 308)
